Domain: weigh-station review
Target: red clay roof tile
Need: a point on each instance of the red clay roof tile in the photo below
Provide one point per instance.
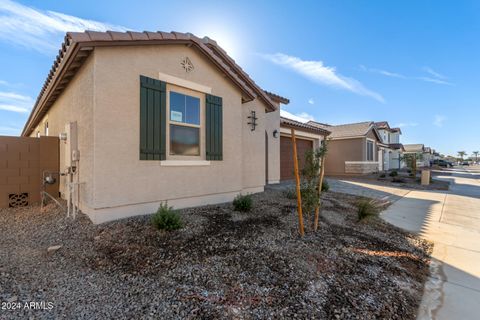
(207, 45)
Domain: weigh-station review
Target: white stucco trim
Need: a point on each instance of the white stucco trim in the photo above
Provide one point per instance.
(184, 83)
(184, 163)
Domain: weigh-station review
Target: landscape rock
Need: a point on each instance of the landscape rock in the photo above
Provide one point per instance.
(222, 264)
(52, 249)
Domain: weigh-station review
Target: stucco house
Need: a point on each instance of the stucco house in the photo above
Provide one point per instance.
(421, 152)
(390, 155)
(352, 148)
(308, 137)
(153, 116)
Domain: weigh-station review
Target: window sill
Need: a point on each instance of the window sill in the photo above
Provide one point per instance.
(184, 163)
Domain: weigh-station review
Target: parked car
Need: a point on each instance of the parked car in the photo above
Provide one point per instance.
(465, 163)
(442, 163)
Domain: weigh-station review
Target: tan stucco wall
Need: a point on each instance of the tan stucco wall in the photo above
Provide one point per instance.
(76, 104)
(371, 135)
(104, 99)
(121, 178)
(340, 151)
(273, 123)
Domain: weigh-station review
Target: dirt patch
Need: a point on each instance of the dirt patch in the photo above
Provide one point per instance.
(222, 264)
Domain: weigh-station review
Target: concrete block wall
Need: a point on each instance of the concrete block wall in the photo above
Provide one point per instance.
(360, 167)
(22, 162)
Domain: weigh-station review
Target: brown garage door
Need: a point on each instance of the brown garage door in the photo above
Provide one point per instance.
(286, 156)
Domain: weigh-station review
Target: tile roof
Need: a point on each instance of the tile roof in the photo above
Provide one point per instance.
(289, 123)
(396, 146)
(350, 130)
(413, 147)
(382, 125)
(277, 98)
(385, 126)
(78, 45)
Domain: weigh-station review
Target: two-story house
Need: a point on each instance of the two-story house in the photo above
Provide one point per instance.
(390, 153)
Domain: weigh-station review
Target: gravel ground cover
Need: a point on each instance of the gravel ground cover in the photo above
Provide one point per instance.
(221, 265)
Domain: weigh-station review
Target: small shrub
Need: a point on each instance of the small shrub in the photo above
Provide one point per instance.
(366, 208)
(243, 203)
(325, 186)
(411, 174)
(394, 173)
(382, 175)
(166, 218)
(290, 193)
(409, 171)
(398, 180)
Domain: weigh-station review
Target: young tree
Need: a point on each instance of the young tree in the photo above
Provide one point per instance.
(411, 161)
(475, 153)
(312, 180)
(461, 154)
(322, 153)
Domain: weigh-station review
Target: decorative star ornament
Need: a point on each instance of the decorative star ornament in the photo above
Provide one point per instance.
(187, 64)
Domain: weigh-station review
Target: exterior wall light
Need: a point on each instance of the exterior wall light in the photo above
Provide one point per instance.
(275, 133)
(253, 120)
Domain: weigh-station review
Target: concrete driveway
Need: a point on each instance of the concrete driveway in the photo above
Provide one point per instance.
(451, 219)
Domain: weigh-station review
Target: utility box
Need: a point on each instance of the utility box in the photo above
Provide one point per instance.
(425, 177)
(71, 144)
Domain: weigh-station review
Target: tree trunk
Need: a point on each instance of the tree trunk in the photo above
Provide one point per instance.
(297, 180)
(320, 183)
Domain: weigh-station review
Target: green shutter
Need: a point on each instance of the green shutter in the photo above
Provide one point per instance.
(152, 119)
(214, 128)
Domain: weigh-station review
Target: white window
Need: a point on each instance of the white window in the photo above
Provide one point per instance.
(369, 150)
(184, 124)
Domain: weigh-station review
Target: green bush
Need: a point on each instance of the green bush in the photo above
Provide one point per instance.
(366, 208)
(290, 193)
(243, 203)
(382, 175)
(166, 218)
(325, 186)
(394, 173)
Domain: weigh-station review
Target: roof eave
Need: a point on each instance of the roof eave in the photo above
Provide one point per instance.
(81, 41)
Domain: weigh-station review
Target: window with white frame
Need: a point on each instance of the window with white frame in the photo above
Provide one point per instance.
(369, 150)
(184, 124)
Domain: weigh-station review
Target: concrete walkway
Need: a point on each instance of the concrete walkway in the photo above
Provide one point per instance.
(451, 219)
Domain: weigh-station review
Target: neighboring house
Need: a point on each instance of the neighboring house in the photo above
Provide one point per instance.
(352, 148)
(421, 153)
(428, 156)
(308, 137)
(153, 116)
(390, 156)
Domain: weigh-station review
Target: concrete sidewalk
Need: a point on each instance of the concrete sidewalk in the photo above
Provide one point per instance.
(452, 221)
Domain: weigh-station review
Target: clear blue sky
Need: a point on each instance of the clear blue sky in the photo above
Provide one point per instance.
(415, 64)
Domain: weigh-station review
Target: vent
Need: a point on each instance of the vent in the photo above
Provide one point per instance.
(18, 200)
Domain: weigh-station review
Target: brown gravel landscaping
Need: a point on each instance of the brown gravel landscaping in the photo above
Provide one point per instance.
(221, 265)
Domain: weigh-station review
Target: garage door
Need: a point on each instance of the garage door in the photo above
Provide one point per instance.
(286, 156)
